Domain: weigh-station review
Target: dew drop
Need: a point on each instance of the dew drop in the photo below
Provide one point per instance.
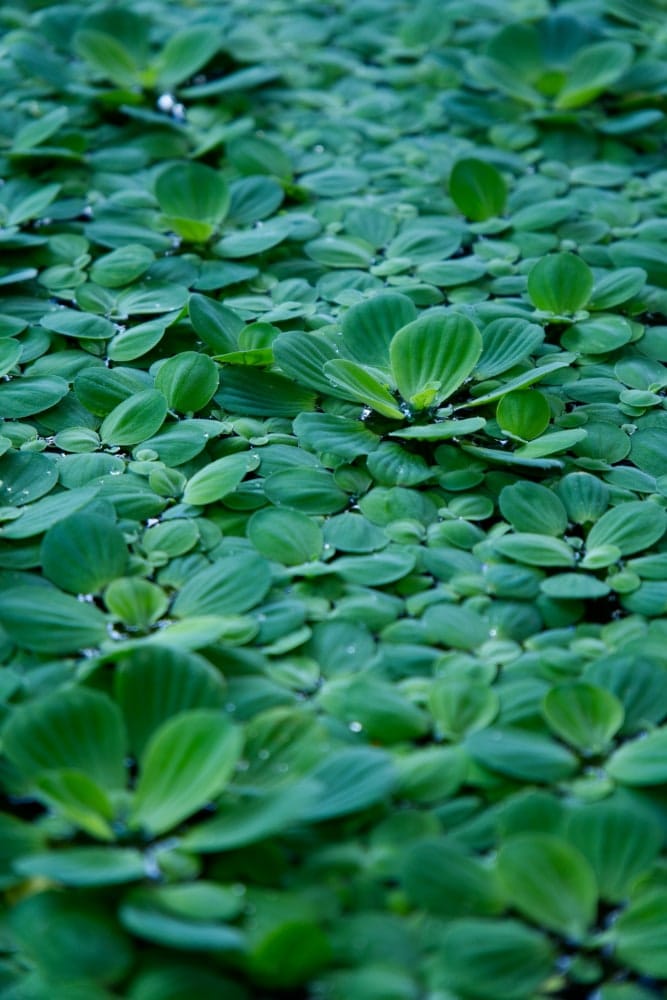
(166, 102)
(355, 727)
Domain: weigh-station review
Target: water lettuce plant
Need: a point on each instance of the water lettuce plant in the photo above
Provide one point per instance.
(333, 500)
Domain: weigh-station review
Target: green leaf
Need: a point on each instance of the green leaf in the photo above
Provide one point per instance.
(639, 935)
(583, 715)
(325, 433)
(146, 914)
(71, 939)
(560, 283)
(72, 729)
(302, 356)
(374, 570)
(480, 958)
(45, 620)
(352, 779)
(521, 754)
(600, 335)
(373, 706)
(530, 507)
(195, 198)
(631, 527)
(550, 882)
(442, 431)
(524, 413)
(248, 242)
(187, 762)
(337, 251)
(238, 823)
(135, 419)
(584, 497)
(551, 443)
(421, 241)
(285, 536)
(637, 681)
(520, 382)
(10, 352)
(620, 843)
(440, 877)
(390, 464)
(462, 706)
(152, 685)
(217, 479)
(122, 266)
(369, 326)
(592, 71)
(85, 867)
(140, 339)
(477, 189)
(107, 56)
(642, 761)
(217, 325)
(359, 383)
(79, 800)
(83, 553)
(34, 133)
(135, 602)
(254, 198)
(83, 325)
(290, 954)
(149, 299)
(617, 286)
(230, 586)
(255, 393)
(432, 357)
(535, 550)
(506, 342)
(313, 491)
(577, 586)
(452, 625)
(31, 394)
(186, 52)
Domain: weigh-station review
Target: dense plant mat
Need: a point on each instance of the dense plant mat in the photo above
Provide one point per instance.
(333, 571)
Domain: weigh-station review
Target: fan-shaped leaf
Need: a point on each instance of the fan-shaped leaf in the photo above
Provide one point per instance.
(432, 356)
(83, 553)
(217, 479)
(286, 536)
(195, 198)
(583, 715)
(560, 283)
(477, 189)
(550, 882)
(152, 685)
(71, 729)
(631, 527)
(187, 762)
(47, 621)
(369, 326)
